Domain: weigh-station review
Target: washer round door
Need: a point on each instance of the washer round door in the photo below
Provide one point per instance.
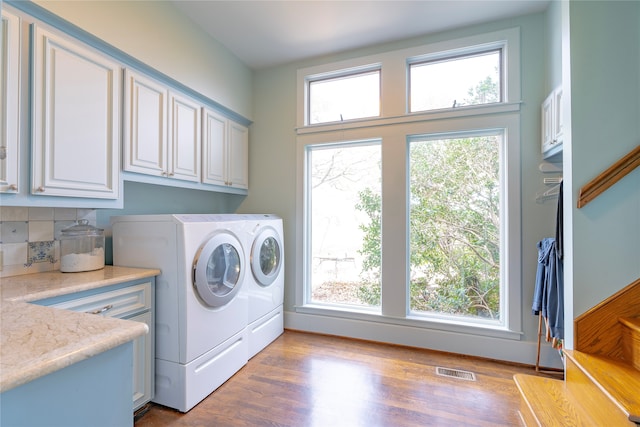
(266, 256)
(219, 270)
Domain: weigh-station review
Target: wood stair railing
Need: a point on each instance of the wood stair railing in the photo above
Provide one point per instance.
(602, 375)
(606, 179)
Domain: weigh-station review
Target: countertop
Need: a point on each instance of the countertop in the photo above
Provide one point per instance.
(37, 340)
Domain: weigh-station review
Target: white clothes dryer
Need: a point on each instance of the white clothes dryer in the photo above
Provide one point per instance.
(201, 312)
(265, 282)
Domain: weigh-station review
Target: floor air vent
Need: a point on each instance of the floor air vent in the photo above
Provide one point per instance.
(456, 373)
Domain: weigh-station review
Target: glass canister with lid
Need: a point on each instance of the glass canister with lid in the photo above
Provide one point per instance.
(81, 248)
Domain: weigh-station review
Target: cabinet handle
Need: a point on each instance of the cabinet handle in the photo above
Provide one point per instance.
(101, 310)
(171, 174)
(13, 187)
(40, 189)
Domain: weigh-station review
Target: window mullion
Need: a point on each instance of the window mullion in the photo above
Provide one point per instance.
(394, 226)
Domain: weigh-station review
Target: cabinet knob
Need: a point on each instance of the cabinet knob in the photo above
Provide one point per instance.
(13, 187)
(40, 189)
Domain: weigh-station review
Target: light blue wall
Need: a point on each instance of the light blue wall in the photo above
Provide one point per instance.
(553, 41)
(142, 198)
(603, 248)
(273, 147)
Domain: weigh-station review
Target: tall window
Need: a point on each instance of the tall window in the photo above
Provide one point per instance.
(454, 219)
(343, 186)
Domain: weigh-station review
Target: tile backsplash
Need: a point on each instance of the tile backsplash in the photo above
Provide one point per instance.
(29, 237)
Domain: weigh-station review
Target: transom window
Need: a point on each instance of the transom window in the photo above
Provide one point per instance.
(346, 96)
(456, 81)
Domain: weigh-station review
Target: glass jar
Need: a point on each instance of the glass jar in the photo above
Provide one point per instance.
(81, 248)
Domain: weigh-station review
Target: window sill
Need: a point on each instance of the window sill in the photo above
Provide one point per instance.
(459, 112)
(439, 324)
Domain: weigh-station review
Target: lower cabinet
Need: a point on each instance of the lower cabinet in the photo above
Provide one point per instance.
(131, 301)
(92, 392)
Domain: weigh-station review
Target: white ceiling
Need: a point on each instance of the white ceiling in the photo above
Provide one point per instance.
(267, 33)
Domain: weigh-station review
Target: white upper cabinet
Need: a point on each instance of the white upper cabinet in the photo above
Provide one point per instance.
(225, 151)
(552, 124)
(145, 125)
(9, 102)
(162, 130)
(238, 174)
(185, 138)
(76, 119)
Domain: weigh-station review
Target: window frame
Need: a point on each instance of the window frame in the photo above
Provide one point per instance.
(394, 103)
(340, 74)
(481, 50)
(506, 244)
(393, 127)
(308, 250)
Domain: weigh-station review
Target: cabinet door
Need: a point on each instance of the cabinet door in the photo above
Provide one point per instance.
(214, 148)
(131, 302)
(143, 360)
(76, 119)
(9, 102)
(558, 119)
(238, 175)
(547, 112)
(185, 138)
(145, 124)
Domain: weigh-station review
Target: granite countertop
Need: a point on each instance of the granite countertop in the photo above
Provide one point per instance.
(37, 340)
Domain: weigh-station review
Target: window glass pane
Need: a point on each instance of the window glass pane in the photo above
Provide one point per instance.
(342, 98)
(344, 188)
(456, 82)
(455, 226)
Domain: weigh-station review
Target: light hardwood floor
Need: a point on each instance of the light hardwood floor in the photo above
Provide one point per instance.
(308, 380)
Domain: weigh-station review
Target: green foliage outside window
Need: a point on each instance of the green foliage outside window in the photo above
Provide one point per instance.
(454, 226)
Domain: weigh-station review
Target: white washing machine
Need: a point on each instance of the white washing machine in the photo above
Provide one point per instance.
(264, 285)
(201, 312)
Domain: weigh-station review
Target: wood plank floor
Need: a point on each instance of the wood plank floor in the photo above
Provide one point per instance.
(307, 380)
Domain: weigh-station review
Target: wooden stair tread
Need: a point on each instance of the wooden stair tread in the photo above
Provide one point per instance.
(631, 323)
(551, 405)
(617, 379)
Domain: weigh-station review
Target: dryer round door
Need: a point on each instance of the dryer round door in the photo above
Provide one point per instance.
(219, 270)
(266, 256)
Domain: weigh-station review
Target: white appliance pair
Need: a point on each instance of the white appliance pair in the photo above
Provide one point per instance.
(212, 314)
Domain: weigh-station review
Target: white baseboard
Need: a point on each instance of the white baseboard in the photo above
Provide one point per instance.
(480, 346)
